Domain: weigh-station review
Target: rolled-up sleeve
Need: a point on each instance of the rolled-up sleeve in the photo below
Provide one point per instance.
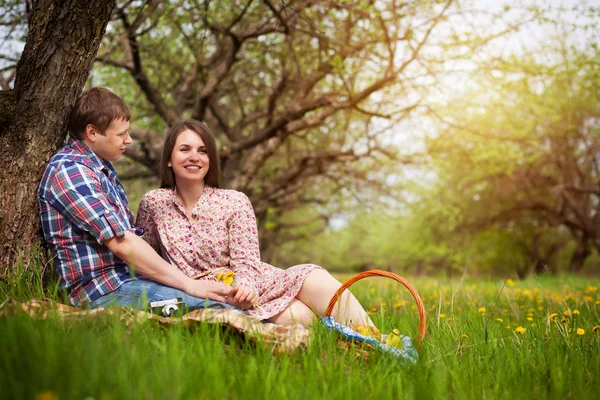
(76, 192)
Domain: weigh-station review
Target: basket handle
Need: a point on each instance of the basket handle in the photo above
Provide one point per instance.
(387, 274)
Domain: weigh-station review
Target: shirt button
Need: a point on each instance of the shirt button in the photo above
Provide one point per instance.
(106, 212)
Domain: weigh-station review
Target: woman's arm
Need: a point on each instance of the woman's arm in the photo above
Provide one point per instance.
(243, 245)
(145, 220)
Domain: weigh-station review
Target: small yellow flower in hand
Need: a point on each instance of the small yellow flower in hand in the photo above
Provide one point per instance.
(226, 278)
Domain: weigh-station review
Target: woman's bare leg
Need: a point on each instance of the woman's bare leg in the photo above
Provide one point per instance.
(318, 289)
(296, 313)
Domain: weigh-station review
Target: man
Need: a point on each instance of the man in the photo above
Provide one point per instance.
(88, 224)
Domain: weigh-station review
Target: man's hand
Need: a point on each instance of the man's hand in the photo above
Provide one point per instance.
(242, 297)
(213, 290)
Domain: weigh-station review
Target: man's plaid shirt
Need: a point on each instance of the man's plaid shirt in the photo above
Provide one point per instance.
(82, 204)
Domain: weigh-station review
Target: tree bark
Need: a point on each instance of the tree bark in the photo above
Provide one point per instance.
(580, 254)
(62, 42)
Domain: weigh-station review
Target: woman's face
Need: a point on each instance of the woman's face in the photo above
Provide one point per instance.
(189, 159)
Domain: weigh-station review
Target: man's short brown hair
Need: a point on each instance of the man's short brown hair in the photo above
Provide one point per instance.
(99, 107)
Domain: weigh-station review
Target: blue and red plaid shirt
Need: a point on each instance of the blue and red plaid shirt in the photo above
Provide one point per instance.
(82, 204)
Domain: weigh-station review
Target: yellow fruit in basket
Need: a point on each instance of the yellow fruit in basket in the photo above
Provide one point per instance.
(394, 339)
(368, 330)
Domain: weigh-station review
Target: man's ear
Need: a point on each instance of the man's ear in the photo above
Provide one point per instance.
(91, 132)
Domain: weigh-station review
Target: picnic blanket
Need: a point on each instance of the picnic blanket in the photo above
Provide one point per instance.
(283, 339)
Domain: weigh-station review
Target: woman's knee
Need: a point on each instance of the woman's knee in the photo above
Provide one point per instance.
(296, 313)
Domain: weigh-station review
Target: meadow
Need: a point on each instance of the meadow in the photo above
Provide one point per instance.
(486, 339)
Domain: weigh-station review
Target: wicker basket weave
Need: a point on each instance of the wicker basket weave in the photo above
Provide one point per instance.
(376, 272)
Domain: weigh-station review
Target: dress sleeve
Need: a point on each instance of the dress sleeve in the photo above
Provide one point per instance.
(77, 194)
(243, 245)
(145, 220)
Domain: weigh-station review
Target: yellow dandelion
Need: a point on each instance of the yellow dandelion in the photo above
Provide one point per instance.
(510, 282)
(481, 309)
(520, 330)
(47, 395)
(529, 319)
(442, 315)
(533, 325)
(552, 317)
(226, 278)
(499, 320)
(465, 336)
(580, 331)
(576, 312)
(567, 313)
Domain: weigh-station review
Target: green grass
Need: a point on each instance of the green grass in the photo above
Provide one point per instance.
(468, 353)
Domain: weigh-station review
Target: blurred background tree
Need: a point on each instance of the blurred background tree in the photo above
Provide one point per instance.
(429, 136)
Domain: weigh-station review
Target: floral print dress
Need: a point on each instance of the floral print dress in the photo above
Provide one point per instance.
(220, 233)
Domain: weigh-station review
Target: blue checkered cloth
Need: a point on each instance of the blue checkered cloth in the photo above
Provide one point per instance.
(407, 352)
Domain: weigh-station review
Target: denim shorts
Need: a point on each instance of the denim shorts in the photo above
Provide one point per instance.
(139, 293)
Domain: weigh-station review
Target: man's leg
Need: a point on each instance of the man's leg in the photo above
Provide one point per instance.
(140, 292)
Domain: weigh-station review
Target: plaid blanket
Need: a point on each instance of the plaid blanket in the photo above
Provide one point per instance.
(282, 339)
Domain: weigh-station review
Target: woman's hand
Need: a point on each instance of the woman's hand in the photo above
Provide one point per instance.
(242, 297)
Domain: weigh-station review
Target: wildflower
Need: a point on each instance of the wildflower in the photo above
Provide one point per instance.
(520, 330)
(533, 325)
(596, 329)
(552, 317)
(47, 395)
(580, 331)
(481, 309)
(510, 282)
(529, 319)
(576, 312)
(499, 320)
(465, 336)
(226, 278)
(567, 313)
(442, 315)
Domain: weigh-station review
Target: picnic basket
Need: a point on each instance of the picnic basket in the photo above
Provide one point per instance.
(386, 274)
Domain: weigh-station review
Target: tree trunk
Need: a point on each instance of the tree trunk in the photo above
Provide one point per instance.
(63, 38)
(580, 254)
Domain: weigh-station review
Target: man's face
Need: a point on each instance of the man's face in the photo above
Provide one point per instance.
(112, 144)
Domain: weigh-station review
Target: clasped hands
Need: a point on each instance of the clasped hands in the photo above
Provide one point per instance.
(238, 296)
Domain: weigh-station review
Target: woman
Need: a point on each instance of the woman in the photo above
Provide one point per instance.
(205, 230)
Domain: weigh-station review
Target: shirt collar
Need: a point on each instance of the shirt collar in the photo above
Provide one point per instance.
(91, 159)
